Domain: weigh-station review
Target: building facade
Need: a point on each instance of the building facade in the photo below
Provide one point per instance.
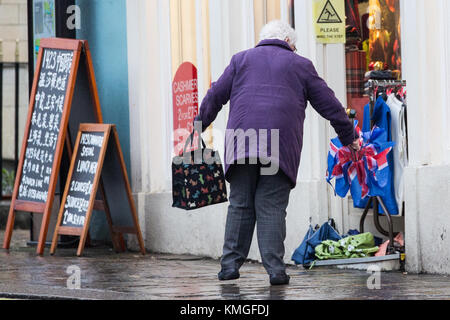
(153, 38)
(13, 48)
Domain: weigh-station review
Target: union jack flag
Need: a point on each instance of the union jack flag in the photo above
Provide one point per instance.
(367, 167)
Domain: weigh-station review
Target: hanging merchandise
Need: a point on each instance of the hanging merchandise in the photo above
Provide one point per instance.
(398, 126)
(357, 246)
(381, 117)
(366, 172)
(352, 14)
(353, 26)
(377, 113)
(356, 68)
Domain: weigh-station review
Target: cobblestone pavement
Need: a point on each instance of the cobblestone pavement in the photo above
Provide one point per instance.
(107, 275)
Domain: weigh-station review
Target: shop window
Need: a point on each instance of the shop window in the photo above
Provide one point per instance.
(384, 41)
(190, 42)
(373, 46)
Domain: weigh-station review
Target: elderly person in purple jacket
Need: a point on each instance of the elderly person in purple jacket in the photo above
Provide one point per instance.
(268, 88)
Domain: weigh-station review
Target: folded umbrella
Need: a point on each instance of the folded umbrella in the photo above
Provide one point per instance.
(368, 167)
(305, 253)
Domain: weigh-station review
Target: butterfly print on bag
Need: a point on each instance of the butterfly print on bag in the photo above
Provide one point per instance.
(192, 204)
(179, 171)
(201, 179)
(214, 189)
(178, 182)
(193, 183)
(194, 171)
(205, 190)
(196, 195)
(209, 178)
(220, 184)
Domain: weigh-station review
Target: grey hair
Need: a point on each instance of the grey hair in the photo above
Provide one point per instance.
(280, 30)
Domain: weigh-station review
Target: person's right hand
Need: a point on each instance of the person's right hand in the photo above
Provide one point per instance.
(355, 145)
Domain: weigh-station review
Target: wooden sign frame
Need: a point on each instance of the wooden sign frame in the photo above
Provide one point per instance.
(78, 47)
(109, 132)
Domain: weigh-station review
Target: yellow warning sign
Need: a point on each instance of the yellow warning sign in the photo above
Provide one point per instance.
(329, 20)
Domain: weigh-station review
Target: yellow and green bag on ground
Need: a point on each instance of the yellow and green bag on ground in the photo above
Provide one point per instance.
(358, 246)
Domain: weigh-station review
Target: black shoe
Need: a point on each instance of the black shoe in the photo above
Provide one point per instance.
(228, 275)
(279, 279)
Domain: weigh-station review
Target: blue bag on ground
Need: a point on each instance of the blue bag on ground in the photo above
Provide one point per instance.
(305, 253)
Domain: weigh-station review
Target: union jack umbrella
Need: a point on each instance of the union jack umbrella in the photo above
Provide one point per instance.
(367, 167)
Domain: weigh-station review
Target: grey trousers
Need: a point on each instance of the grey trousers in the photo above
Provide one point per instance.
(258, 200)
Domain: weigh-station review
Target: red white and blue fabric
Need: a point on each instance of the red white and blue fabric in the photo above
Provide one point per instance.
(367, 167)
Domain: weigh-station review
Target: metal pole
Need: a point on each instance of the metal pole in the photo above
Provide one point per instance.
(376, 220)
(364, 215)
(16, 109)
(372, 107)
(30, 14)
(390, 223)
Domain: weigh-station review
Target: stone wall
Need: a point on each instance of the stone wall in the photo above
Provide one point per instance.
(13, 26)
(13, 36)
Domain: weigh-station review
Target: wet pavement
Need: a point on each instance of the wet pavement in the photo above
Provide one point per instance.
(107, 275)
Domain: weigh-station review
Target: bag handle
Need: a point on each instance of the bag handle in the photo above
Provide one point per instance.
(191, 139)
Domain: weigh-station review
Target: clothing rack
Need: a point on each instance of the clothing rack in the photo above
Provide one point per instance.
(370, 89)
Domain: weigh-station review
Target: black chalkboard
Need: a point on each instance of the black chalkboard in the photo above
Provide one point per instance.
(97, 179)
(82, 180)
(63, 95)
(45, 125)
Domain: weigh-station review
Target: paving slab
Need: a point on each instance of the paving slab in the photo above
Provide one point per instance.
(107, 275)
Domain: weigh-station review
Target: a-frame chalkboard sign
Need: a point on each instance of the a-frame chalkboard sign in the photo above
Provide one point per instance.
(64, 94)
(97, 168)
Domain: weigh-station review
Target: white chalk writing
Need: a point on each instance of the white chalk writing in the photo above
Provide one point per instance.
(45, 124)
(82, 179)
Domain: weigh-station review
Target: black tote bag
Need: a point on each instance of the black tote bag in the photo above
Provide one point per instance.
(197, 178)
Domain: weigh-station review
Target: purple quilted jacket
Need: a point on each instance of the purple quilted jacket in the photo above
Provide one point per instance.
(268, 88)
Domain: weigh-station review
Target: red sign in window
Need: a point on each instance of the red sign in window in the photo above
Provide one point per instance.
(185, 103)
